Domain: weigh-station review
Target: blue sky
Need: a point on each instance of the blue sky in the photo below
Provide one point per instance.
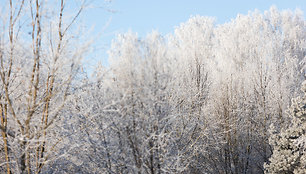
(143, 16)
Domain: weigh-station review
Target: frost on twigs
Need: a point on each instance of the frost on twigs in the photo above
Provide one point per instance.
(289, 146)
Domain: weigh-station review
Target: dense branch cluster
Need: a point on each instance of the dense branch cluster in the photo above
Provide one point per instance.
(289, 146)
(205, 99)
(39, 59)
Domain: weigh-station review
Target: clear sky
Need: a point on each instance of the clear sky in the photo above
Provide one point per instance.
(111, 17)
(142, 16)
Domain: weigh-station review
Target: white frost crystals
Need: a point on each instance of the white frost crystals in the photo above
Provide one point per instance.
(289, 146)
(199, 100)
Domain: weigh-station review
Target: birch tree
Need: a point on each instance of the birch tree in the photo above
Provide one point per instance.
(39, 60)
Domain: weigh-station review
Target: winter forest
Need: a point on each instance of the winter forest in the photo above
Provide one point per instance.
(205, 99)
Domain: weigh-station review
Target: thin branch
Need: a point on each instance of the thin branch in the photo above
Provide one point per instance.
(7, 131)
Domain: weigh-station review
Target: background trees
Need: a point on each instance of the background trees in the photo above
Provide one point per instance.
(200, 100)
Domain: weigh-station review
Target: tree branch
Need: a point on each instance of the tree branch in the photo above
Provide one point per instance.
(11, 134)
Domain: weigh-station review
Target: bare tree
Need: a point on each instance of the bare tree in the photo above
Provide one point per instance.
(38, 64)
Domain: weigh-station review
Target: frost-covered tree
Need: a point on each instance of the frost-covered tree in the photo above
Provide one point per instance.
(289, 145)
(254, 79)
(199, 100)
(190, 53)
(39, 59)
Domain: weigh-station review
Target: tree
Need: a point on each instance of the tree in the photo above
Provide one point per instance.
(200, 100)
(39, 61)
(289, 145)
(197, 101)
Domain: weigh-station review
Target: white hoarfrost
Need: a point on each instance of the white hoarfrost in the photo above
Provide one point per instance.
(289, 145)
